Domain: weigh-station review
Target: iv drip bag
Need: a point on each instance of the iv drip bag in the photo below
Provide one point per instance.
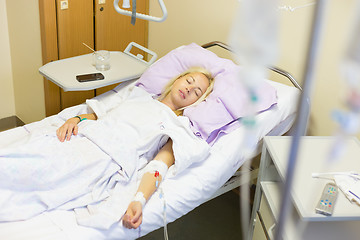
(351, 65)
(253, 36)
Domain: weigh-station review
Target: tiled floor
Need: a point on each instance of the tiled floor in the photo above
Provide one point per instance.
(10, 122)
(213, 220)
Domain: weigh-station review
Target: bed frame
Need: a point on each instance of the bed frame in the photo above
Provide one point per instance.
(274, 69)
(44, 227)
(244, 176)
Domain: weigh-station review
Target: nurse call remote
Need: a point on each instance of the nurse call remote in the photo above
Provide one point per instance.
(327, 200)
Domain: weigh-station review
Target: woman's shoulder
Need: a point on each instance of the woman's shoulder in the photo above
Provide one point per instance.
(138, 92)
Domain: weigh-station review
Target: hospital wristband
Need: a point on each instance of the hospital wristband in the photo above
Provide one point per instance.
(81, 119)
(139, 197)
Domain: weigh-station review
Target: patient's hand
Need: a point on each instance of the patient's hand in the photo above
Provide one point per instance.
(67, 129)
(133, 215)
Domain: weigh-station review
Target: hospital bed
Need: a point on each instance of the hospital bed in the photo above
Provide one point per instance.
(201, 182)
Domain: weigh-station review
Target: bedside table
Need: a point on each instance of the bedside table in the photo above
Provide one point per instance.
(124, 66)
(303, 222)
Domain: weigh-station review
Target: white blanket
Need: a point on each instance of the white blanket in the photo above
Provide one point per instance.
(183, 192)
(98, 168)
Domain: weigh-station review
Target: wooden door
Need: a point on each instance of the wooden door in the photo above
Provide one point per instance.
(75, 26)
(114, 31)
(48, 26)
(98, 25)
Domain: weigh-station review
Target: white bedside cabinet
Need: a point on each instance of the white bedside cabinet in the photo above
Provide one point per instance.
(303, 222)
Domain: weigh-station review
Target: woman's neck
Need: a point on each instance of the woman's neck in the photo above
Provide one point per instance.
(168, 103)
(177, 112)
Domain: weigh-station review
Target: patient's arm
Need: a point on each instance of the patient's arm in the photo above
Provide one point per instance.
(70, 126)
(133, 215)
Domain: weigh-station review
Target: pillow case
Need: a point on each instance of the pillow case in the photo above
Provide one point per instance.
(227, 102)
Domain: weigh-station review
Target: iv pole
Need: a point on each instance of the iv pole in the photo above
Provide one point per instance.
(302, 116)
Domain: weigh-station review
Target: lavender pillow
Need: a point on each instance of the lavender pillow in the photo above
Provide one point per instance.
(226, 103)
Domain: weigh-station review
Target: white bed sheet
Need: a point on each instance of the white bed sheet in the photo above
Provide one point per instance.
(183, 192)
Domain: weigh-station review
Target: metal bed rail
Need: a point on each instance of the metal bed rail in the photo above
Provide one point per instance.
(273, 68)
(238, 178)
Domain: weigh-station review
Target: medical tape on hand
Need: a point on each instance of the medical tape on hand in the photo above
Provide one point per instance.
(139, 197)
(156, 166)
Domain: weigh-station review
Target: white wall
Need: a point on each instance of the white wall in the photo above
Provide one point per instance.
(7, 97)
(25, 49)
(203, 21)
(189, 21)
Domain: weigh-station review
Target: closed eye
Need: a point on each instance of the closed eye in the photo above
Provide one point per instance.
(198, 92)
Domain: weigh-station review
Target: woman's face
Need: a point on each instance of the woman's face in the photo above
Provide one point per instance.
(188, 89)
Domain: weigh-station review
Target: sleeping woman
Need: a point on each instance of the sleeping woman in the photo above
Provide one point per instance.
(85, 161)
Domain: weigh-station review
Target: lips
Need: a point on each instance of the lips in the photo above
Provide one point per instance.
(182, 94)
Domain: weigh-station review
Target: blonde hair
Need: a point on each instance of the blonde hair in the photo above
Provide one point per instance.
(169, 85)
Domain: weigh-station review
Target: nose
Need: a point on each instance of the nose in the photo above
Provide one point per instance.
(187, 90)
